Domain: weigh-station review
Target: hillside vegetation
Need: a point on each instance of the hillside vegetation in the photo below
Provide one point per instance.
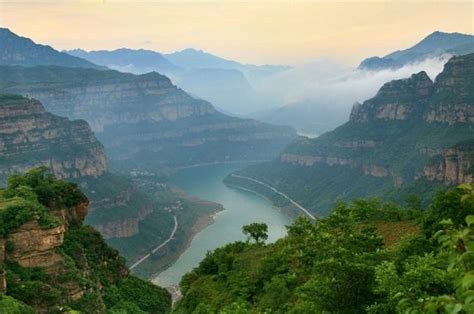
(340, 264)
(52, 263)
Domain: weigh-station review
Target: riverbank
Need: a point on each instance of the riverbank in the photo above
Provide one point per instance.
(211, 232)
(214, 163)
(287, 210)
(201, 223)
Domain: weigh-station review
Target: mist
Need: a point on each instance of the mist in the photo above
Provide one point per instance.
(318, 96)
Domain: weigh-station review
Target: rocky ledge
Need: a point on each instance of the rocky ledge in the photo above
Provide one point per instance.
(31, 137)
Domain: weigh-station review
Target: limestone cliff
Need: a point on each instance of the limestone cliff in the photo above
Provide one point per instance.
(144, 120)
(53, 263)
(454, 165)
(31, 137)
(412, 134)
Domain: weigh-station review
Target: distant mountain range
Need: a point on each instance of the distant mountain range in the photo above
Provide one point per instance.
(320, 96)
(130, 60)
(432, 46)
(152, 115)
(225, 83)
(16, 50)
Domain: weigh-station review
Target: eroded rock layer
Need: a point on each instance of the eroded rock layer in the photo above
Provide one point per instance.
(414, 133)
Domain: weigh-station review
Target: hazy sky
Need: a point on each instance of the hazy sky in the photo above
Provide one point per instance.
(249, 31)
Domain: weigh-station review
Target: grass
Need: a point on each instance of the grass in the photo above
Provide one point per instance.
(394, 231)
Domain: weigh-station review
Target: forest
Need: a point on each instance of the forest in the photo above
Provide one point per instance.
(366, 256)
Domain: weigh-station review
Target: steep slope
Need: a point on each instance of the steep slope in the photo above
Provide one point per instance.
(16, 50)
(31, 137)
(53, 263)
(144, 120)
(130, 216)
(412, 135)
(434, 45)
(365, 257)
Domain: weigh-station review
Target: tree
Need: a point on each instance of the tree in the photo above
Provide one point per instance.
(256, 231)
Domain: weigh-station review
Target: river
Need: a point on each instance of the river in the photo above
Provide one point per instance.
(241, 208)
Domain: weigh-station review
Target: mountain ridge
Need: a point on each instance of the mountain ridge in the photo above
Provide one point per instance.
(406, 138)
(434, 45)
(17, 50)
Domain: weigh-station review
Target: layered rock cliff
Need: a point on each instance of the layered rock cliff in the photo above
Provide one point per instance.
(53, 263)
(31, 137)
(454, 165)
(144, 120)
(412, 134)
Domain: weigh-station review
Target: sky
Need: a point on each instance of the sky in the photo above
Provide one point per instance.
(260, 32)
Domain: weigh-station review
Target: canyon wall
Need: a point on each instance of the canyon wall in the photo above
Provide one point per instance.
(31, 137)
(145, 121)
(412, 134)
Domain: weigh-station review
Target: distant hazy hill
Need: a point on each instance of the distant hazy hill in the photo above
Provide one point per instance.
(16, 50)
(413, 135)
(223, 82)
(198, 59)
(192, 58)
(434, 45)
(134, 61)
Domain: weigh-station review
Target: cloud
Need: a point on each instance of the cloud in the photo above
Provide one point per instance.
(327, 81)
(319, 95)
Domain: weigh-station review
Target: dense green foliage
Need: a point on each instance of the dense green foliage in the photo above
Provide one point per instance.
(11, 306)
(87, 275)
(340, 264)
(29, 195)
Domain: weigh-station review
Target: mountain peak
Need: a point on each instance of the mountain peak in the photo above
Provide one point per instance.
(435, 45)
(17, 50)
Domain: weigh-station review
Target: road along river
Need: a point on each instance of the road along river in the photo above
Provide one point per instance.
(241, 208)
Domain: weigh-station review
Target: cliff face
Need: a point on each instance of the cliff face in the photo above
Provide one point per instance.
(145, 119)
(31, 137)
(413, 132)
(396, 100)
(454, 166)
(51, 261)
(118, 226)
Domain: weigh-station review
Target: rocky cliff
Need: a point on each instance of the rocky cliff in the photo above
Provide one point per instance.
(454, 165)
(31, 137)
(53, 263)
(144, 120)
(412, 134)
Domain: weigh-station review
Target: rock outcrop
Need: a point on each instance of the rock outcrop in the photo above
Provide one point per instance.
(52, 261)
(454, 166)
(145, 119)
(31, 137)
(396, 100)
(414, 132)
